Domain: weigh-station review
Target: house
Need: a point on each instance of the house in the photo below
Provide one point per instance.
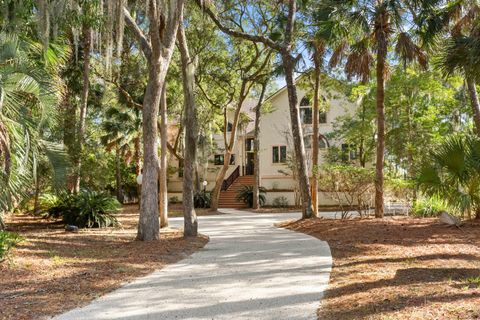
(276, 148)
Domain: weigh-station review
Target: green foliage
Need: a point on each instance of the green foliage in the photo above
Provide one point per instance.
(8, 240)
(280, 202)
(452, 172)
(202, 199)
(245, 194)
(400, 188)
(87, 209)
(429, 207)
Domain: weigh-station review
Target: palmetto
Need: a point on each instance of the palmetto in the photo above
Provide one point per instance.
(452, 173)
(29, 91)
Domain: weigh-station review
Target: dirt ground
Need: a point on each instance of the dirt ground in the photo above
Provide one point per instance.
(399, 268)
(53, 271)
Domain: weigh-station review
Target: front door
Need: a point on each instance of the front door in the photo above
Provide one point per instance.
(250, 164)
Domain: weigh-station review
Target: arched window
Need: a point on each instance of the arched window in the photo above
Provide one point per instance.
(322, 141)
(305, 102)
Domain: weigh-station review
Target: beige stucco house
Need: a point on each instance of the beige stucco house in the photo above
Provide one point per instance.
(275, 146)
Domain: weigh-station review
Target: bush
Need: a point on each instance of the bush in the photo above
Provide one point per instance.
(8, 240)
(280, 202)
(202, 199)
(245, 194)
(87, 209)
(429, 207)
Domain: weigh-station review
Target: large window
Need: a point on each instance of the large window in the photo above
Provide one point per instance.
(219, 159)
(279, 154)
(306, 113)
(308, 140)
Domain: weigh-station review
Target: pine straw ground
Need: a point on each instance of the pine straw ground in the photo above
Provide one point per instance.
(399, 268)
(53, 271)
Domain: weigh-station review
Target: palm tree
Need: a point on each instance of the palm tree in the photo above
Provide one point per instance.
(374, 27)
(29, 90)
(123, 133)
(452, 172)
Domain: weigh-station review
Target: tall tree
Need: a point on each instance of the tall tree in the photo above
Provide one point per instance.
(259, 16)
(191, 131)
(375, 25)
(164, 18)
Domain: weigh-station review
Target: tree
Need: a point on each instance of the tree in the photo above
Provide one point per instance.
(460, 51)
(375, 25)
(256, 146)
(158, 50)
(285, 47)
(191, 130)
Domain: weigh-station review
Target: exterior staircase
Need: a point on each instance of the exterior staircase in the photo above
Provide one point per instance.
(227, 197)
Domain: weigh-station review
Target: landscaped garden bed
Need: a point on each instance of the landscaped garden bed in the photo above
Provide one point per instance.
(52, 271)
(399, 268)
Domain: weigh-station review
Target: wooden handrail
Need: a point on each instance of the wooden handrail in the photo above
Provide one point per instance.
(231, 179)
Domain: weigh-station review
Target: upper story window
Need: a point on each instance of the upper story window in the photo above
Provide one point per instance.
(306, 113)
(219, 159)
(279, 154)
(229, 127)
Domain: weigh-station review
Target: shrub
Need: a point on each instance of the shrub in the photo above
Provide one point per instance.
(280, 202)
(202, 199)
(245, 194)
(87, 209)
(348, 186)
(429, 207)
(8, 240)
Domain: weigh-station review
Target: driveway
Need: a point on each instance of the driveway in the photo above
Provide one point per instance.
(249, 270)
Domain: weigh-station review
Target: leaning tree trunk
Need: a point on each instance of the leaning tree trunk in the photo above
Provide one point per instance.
(190, 125)
(304, 185)
(87, 43)
(472, 91)
(256, 149)
(316, 111)
(380, 73)
(163, 196)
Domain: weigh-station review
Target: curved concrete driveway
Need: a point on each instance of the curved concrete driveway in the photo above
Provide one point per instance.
(249, 270)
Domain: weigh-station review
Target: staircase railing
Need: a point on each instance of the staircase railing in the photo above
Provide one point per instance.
(229, 181)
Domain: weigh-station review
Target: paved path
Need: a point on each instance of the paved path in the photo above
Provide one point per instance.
(249, 270)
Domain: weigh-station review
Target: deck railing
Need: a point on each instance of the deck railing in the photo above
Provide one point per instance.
(229, 181)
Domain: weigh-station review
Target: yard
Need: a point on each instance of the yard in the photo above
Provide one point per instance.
(399, 268)
(53, 271)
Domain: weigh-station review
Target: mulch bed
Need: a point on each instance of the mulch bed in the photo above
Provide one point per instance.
(53, 271)
(399, 268)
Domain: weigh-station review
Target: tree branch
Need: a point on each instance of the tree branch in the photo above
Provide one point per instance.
(142, 40)
(237, 34)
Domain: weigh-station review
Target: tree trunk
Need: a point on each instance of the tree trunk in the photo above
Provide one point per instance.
(118, 175)
(138, 164)
(316, 111)
(215, 198)
(472, 91)
(190, 125)
(380, 73)
(256, 149)
(304, 185)
(163, 196)
(87, 43)
(36, 203)
(148, 224)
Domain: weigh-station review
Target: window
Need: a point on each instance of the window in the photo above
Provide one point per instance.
(305, 102)
(279, 154)
(249, 145)
(349, 152)
(229, 127)
(306, 115)
(322, 143)
(307, 141)
(219, 159)
(322, 117)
